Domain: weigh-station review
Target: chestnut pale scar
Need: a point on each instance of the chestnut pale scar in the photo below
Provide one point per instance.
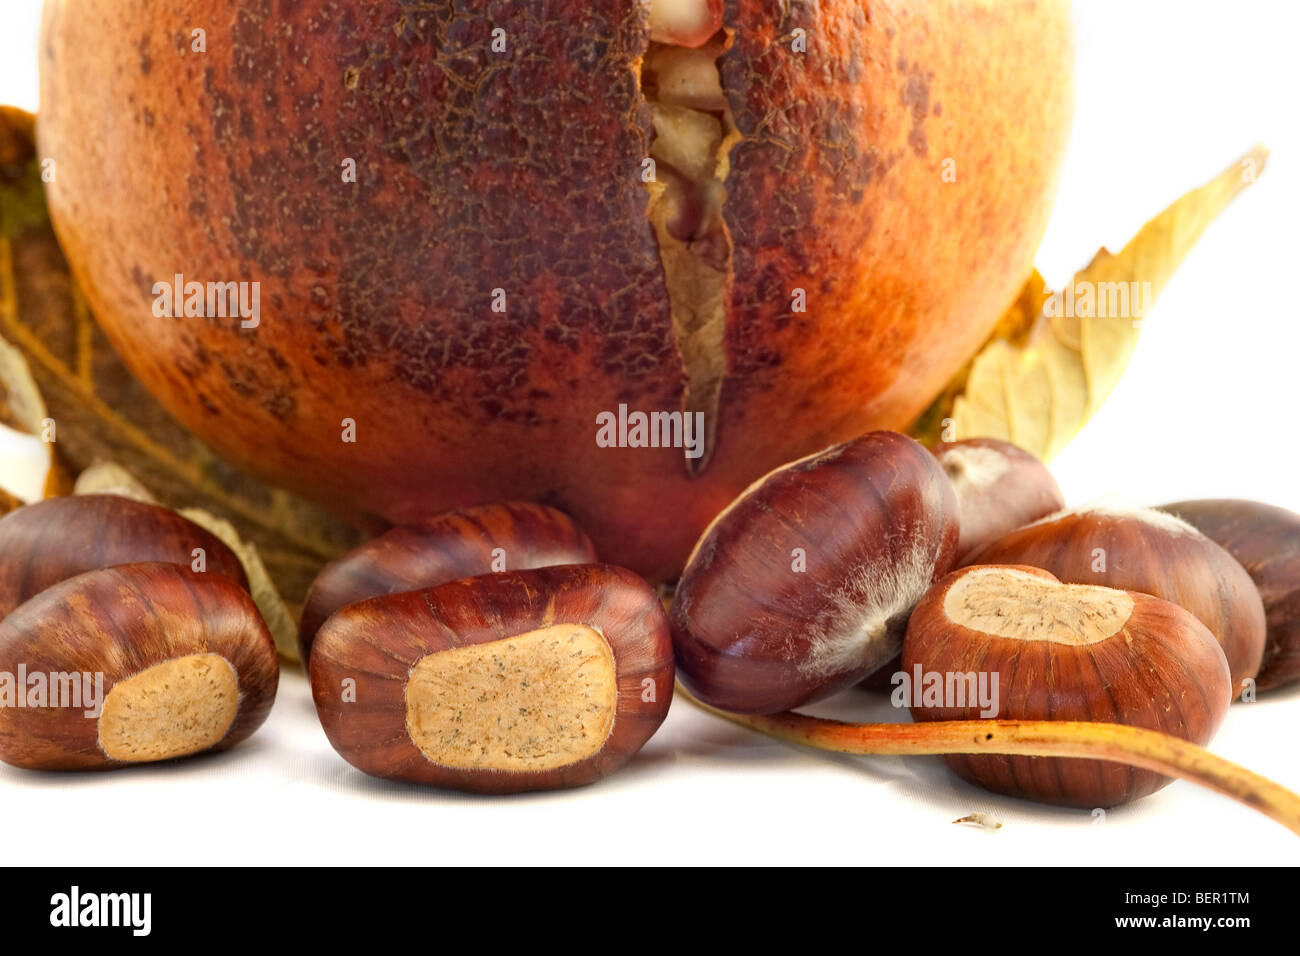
(542, 699)
(178, 707)
(1016, 604)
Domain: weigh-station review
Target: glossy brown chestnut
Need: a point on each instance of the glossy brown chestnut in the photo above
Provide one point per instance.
(134, 663)
(1063, 652)
(58, 538)
(999, 486)
(1140, 549)
(512, 536)
(1265, 540)
(524, 680)
(803, 585)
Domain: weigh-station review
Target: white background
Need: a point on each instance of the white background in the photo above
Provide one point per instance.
(1169, 93)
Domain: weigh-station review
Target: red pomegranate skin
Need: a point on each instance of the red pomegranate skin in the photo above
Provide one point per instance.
(898, 171)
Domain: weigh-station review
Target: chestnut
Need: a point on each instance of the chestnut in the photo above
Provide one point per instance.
(51, 540)
(999, 487)
(512, 536)
(1064, 652)
(524, 680)
(1141, 549)
(803, 585)
(1265, 540)
(129, 664)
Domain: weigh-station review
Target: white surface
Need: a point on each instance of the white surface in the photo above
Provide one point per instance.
(1169, 93)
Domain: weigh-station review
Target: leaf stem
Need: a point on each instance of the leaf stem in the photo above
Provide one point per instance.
(1134, 746)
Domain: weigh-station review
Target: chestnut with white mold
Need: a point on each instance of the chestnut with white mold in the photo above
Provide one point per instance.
(999, 486)
(1068, 652)
(803, 585)
(1141, 549)
(746, 630)
(523, 680)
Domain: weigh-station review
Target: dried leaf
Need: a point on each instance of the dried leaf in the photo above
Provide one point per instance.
(1014, 327)
(110, 478)
(23, 410)
(103, 414)
(985, 821)
(21, 405)
(1055, 358)
(20, 175)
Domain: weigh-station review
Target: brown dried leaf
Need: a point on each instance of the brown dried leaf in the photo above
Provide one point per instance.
(103, 414)
(1046, 370)
(21, 405)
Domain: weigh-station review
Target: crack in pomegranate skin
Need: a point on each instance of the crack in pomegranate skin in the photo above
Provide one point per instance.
(695, 132)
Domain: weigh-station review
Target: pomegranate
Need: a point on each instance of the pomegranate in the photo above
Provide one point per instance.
(619, 256)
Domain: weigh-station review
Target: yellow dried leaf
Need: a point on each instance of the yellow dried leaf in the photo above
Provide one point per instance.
(110, 478)
(21, 405)
(38, 472)
(101, 412)
(1055, 357)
